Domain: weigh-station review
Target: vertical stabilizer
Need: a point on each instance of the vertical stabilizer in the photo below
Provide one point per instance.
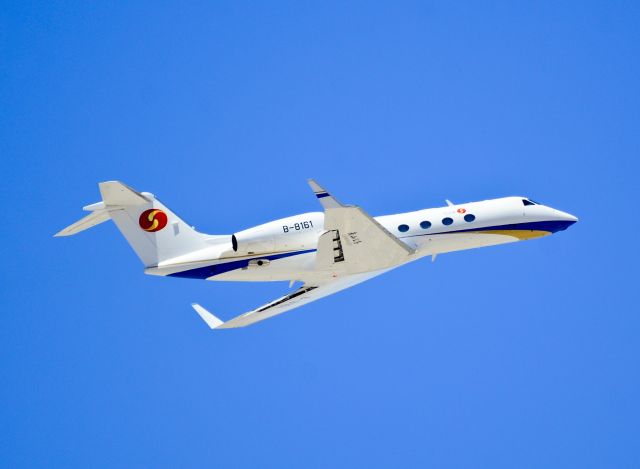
(155, 233)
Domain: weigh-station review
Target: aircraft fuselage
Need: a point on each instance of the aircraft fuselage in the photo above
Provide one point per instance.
(286, 248)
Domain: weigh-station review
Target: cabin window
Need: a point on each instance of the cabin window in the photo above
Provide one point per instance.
(425, 225)
(403, 228)
(447, 221)
(469, 217)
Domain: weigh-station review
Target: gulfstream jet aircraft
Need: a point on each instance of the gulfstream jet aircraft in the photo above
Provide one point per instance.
(327, 251)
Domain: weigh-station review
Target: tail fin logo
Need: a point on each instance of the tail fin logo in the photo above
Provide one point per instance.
(153, 220)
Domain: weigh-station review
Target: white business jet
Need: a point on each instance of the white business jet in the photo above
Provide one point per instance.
(326, 251)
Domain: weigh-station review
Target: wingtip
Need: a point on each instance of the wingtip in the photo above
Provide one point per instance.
(315, 187)
(212, 321)
(64, 233)
(325, 198)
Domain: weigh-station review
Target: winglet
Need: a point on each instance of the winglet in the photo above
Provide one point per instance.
(212, 321)
(325, 199)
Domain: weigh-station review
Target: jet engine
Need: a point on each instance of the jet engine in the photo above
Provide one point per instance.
(286, 234)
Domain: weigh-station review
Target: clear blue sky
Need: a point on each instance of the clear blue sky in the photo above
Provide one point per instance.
(523, 355)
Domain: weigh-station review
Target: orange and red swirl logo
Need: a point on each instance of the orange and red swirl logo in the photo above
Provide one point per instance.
(152, 220)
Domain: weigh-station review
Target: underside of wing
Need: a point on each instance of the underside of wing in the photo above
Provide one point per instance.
(355, 242)
(305, 294)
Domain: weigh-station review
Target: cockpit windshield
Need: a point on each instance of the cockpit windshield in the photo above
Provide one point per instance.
(529, 202)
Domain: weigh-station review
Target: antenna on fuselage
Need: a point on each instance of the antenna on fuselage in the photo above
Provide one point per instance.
(449, 203)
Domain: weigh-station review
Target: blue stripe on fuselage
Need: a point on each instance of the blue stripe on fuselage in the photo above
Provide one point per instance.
(550, 226)
(217, 269)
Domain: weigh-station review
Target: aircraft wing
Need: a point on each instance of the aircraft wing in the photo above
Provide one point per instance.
(305, 294)
(354, 248)
(355, 242)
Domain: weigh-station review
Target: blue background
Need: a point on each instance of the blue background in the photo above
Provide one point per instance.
(524, 355)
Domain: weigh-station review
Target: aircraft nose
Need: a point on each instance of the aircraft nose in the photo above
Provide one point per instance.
(563, 220)
(564, 216)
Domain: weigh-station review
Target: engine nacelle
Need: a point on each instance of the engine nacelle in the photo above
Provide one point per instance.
(287, 234)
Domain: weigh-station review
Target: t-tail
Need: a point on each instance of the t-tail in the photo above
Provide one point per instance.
(155, 233)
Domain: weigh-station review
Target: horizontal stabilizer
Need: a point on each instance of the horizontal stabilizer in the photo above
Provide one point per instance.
(94, 207)
(93, 219)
